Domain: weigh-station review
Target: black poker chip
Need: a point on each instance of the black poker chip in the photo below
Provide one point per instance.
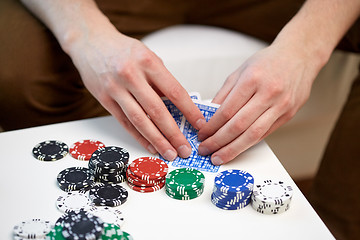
(50, 150)
(106, 194)
(109, 158)
(82, 225)
(75, 178)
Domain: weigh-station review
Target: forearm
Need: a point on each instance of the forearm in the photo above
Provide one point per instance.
(318, 27)
(70, 20)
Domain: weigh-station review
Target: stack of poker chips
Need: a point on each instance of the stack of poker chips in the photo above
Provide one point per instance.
(184, 183)
(232, 189)
(271, 197)
(108, 164)
(146, 174)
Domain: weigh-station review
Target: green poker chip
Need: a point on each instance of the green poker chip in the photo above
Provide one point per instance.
(112, 232)
(184, 183)
(55, 233)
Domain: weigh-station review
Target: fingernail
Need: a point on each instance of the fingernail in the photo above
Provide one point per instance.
(169, 155)
(151, 149)
(203, 150)
(216, 160)
(184, 151)
(200, 123)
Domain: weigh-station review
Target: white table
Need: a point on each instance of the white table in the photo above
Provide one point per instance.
(28, 189)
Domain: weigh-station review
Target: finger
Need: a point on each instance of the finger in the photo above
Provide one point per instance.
(237, 98)
(236, 126)
(225, 89)
(114, 109)
(249, 138)
(173, 90)
(145, 126)
(155, 108)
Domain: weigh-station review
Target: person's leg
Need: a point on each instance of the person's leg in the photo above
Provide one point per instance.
(335, 194)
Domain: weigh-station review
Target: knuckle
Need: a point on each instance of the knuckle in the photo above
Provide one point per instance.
(155, 113)
(255, 133)
(227, 113)
(238, 126)
(137, 119)
(175, 92)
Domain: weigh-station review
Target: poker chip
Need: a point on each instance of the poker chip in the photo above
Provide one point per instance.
(82, 225)
(184, 184)
(112, 232)
(32, 229)
(75, 178)
(73, 201)
(82, 150)
(232, 189)
(105, 194)
(271, 197)
(146, 174)
(50, 150)
(110, 157)
(146, 189)
(148, 168)
(108, 164)
(55, 233)
(108, 215)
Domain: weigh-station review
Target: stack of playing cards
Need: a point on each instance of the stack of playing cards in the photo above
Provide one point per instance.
(199, 162)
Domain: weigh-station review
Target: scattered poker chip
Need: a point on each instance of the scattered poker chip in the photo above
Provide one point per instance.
(73, 201)
(112, 232)
(108, 215)
(50, 150)
(82, 150)
(75, 178)
(82, 225)
(184, 183)
(271, 197)
(148, 168)
(105, 194)
(110, 157)
(32, 229)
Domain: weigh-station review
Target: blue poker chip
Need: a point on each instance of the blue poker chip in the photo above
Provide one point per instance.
(234, 181)
(50, 150)
(232, 206)
(109, 158)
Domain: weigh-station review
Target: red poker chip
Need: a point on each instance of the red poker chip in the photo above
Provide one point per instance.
(148, 168)
(82, 150)
(135, 181)
(146, 189)
(139, 182)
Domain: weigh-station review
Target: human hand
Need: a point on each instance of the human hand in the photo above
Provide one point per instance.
(260, 96)
(128, 80)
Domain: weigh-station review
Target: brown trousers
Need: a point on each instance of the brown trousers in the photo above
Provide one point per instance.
(40, 85)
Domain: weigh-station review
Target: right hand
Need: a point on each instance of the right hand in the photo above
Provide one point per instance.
(128, 80)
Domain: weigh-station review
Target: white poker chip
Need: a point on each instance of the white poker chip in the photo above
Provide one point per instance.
(108, 215)
(32, 229)
(73, 201)
(271, 197)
